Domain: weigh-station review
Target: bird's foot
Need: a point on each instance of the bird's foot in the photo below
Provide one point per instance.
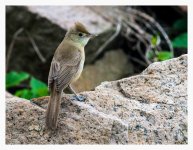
(31, 101)
(79, 98)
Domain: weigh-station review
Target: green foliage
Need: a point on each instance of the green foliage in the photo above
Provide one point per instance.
(155, 40)
(180, 25)
(36, 87)
(25, 93)
(155, 55)
(164, 55)
(15, 78)
(180, 41)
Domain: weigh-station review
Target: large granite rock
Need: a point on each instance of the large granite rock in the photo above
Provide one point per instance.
(150, 108)
(66, 16)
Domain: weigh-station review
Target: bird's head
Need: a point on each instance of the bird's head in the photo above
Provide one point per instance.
(79, 34)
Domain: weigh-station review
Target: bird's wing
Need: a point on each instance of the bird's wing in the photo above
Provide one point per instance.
(63, 68)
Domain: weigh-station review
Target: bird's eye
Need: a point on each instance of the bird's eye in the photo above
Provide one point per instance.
(80, 34)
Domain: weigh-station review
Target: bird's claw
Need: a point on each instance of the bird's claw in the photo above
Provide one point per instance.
(79, 98)
(32, 102)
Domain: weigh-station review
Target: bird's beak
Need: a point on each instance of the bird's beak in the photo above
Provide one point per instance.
(92, 35)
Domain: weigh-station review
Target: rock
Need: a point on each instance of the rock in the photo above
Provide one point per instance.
(150, 108)
(109, 68)
(65, 16)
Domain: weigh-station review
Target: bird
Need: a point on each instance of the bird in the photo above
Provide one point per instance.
(66, 67)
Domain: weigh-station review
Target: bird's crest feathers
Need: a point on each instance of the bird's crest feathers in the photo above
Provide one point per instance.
(81, 28)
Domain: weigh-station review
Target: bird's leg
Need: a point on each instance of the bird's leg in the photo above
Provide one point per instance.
(79, 98)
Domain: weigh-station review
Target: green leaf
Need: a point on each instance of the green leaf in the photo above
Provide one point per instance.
(35, 83)
(38, 88)
(164, 55)
(180, 41)
(15, 78)
(180, 24)
(24, 93)
(155, 40)
(40, 92)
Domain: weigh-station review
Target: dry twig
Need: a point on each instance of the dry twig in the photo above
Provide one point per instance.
(10, 49)
(136, 26)
(100, 50)
(138, 61)
(41, 57)
(153, 21)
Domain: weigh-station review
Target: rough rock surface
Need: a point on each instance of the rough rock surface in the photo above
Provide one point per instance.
(150, 108)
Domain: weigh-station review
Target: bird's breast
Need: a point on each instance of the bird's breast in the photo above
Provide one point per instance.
(79, 69)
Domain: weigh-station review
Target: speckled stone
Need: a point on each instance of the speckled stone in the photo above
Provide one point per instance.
(150, 108)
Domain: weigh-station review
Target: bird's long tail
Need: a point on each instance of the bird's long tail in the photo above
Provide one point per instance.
(53, 107)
